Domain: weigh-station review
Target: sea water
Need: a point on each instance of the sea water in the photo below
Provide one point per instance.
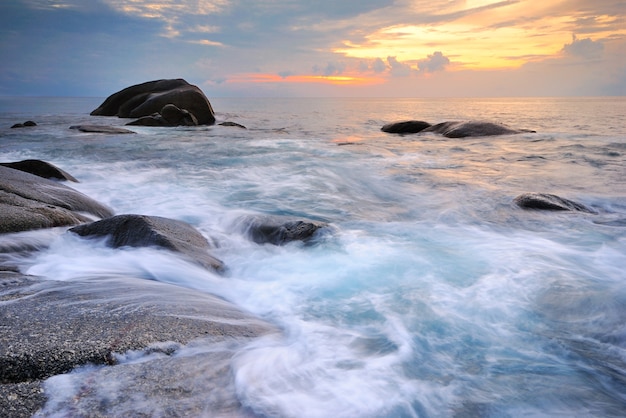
(431, 295)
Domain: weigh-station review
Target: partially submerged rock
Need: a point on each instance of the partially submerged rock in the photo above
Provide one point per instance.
(545, 201)
(146, 231)
(405, 127)
(40, 168)
(151, 97)
(472, 128)
(24, 125)
(279, 230)
(233, 124)
(31, 202)
(170, 115)
(102, 129)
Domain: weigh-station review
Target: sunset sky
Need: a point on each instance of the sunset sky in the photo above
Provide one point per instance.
(367, 48)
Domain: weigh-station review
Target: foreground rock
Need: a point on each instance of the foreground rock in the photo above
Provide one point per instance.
(148, 231)
(472, 128)
(40, 168)
(150, 98)
(102, 129)
(278, 230)
(405, 127)
(50, 327)
(31, 202)
(545, 201)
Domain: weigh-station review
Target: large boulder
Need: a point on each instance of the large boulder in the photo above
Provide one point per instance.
(31, 202)
(405, 127)
(545, 201)
(40, 168)
(170, 115)
(50, 327)
(472, 128)
(150, 97)
(153, 231)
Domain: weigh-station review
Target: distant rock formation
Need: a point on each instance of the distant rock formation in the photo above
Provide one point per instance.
(29, 202)
(150, 98)
(405, 127)
(146, 231)
(545, 201)
(40, 168)
(24, 125)
(452, 129)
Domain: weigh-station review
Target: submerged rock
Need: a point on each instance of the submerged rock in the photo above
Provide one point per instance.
(31, 202)
(146, 231)
(405, 127)
(151, 97)
(472, 128)
(40, 168)
(102, 129)
(24, 125)
(545, 201)
(279, 230)
(233, 124)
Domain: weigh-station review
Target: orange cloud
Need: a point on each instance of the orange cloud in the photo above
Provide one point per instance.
(352, 80)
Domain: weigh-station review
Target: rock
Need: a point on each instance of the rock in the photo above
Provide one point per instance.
(102, 129)
(150, 97)
(147, 231)
(472, 128)
(278, 230)
(235, 124)
(41, 169)
(31, 202)
(178, 117)
(544, 201)
(24, 125)
(50, 327)
(405, 127)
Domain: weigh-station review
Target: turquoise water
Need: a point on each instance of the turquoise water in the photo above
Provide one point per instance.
(432, 295)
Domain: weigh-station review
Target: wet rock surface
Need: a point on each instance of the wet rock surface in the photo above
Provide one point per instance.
(550, 202)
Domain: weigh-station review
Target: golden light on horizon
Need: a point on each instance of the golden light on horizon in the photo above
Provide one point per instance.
(354, 80)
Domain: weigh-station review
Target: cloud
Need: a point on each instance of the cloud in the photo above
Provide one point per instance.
(584, 48)
(332, 68)
(435, 62)
(378, 66)
(398, 69)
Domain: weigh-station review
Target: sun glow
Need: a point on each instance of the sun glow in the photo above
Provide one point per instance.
(334, 80)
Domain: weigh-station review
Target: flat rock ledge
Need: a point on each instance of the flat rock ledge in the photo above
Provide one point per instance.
(102, 129)
(452, 129)
(50, 327)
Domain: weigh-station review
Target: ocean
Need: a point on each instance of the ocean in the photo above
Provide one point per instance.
(432, 295)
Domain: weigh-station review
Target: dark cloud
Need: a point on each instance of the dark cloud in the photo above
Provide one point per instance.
(584, 48)
(435, 62)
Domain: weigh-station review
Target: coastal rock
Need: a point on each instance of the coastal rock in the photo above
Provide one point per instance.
(405, 127)
(545, 201)
(150, 97)
(147, 231)
(278, 230)
(170, 115)
(43, 335)
(31, 202)
(471, 129)
(102, 129)
(40, 168)
(234, 124)
(24, 125)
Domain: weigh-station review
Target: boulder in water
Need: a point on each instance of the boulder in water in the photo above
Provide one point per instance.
(40, 168)
(24, 125)
(150, 97)
(279, 230)
(146, 231)
(405, 127)
(102, 129)
(545, 201)
(472, 128)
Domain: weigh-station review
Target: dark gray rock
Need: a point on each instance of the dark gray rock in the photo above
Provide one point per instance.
(471, 129)
(147, 231)
(49, 327)
(178, 117)
(279, 230)
(545, 201)
(102, 129)
(233, 124)
(405, 127)
(24, 125)
(31, 202)
(148, 98)
(40, 168)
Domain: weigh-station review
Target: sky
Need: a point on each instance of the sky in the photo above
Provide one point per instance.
(316, 48)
